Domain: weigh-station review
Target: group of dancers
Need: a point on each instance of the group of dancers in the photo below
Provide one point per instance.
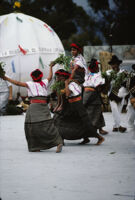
(78, 113)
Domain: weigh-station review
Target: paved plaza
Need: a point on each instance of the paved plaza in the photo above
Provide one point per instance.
(89, 172)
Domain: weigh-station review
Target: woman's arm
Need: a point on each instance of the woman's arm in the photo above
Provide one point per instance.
(68, 92)
(73, 71)
(50, 72)
(10, 92)
(18, 83)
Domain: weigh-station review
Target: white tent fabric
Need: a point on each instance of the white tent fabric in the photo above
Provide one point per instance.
(27, 43)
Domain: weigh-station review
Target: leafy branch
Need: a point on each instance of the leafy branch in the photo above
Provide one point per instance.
(58, 86)
(117, 78)
(64, 60)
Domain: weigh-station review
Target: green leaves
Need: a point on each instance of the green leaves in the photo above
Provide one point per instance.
(2, 72)
(63, 60)
(58, 86)
(117, 78)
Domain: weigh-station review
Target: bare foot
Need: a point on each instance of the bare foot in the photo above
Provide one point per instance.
(59, 108)
(55, 109)
(59, 148)
(103, 132)
(100, 141)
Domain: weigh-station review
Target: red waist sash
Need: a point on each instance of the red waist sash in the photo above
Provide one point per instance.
(74, 99)
(87, 89)
(38, 101)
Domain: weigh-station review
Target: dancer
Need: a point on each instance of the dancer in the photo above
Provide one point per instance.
(73, 94)
(69, 121)
(92, 96)
(40, 131)
(77, 63)
(115, 100)
(61, 76)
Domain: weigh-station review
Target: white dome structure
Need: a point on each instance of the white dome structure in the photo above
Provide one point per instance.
(27, 43)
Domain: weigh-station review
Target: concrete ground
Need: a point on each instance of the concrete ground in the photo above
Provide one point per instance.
(89, 172)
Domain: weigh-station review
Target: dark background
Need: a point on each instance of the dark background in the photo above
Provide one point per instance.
(113, 25)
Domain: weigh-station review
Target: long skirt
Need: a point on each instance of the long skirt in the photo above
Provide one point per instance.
(73, 122)
(92, 103)
(69, 128)
(40, 131)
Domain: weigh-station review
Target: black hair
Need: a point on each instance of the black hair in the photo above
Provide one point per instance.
(36, 75)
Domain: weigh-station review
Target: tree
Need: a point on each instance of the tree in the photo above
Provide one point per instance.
(117, 22)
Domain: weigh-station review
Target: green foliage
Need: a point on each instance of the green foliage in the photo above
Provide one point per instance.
(116, 78)
(104, 75)
(117, 20)
(58, 86)
(120, 78)
(113, 75)
(109, 77)
(99, 5)
(2, 72)
(63, 60)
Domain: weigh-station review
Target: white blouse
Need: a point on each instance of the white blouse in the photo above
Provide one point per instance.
(79, 60)
(93, 80)
(35, 89)
(75, 89)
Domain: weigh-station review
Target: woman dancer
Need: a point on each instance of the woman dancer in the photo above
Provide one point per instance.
(78, 65)
(59, 85)
(73, 94)
(92, 98)
(40, 131)
(73, 122)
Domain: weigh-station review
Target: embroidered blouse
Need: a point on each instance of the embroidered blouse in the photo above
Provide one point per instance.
(35, 88)
(80, 61)
(93, 80)
(75, 89)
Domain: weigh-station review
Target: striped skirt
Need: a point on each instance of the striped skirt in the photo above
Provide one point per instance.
(40, 131)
